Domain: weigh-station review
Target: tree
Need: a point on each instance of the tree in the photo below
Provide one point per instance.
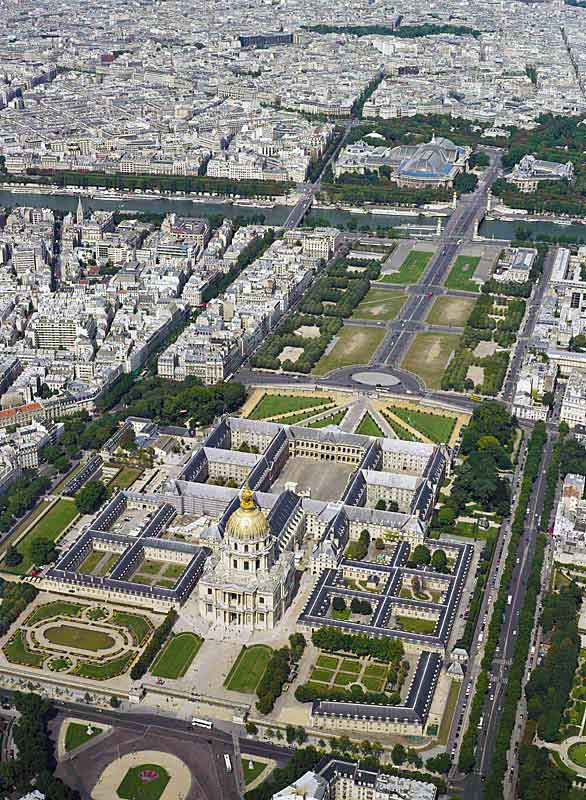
(440, 763)
(548, 399)
(446, 516)
(12, 557)
(421, 555)
(42, 550)
(564, 428)
(91, 497)
(251, 728)
(439, 561)
(398, 754)
(380, 505)
(379, 544)
(392, 505)
(290, 733)
(115, 701)
(339, 604)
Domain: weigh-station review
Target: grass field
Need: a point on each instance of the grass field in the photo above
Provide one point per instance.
(17, 652)
(327, 662)
(335, 419)
(271, 405)
(248, 668)
(125, 478)
(577, 753)
(380, 304)
(58, 608)
(133, 787)
(105, 670)
(368, 427)
(436, 427)
(401, 431)
(252, 772)
(446, 722)
(80, 638)
(417, 625)
(91, 562)
(428, 356)
(411, 269)
(76, 735)
(49, 527)
(460, 276)
(108, 565)
(139, 626)
(177, 656)
(354, 345)
(452, 311)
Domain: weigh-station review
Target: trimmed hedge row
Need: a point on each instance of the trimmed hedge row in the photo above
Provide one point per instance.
(154, 647)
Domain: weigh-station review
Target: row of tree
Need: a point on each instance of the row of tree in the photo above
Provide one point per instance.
(20, 497)
(154, 647)
(15, 599)
(333, 641)
(310, 692)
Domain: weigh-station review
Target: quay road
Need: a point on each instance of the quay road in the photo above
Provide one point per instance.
(458, 228)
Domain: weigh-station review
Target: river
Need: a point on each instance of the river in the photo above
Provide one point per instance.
(163, 205)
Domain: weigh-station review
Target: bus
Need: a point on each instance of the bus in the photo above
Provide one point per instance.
(228, 762)
(202, 723)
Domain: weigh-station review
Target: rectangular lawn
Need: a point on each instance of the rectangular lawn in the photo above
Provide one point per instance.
(327, 662)
(449, 310)
(322, 675)
(368, 427)
(272, 405)
(248, 669)
(411, 269)
(354, 345)
(460, 276)
(177, 656)
(428, 356)
(380, 304)
(50, 527)
(436, 427)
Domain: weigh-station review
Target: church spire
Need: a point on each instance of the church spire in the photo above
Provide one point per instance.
(80, 216)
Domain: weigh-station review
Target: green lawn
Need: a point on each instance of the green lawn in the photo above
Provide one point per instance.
(251, 773)
(376, 671)
(401, 432)
(58, 608)
(368, 427)
(80, 638)
(350, 665)
(380, 304)
(323, 675)
(133, 787)
(139, 626)
(411, 269)
(335, 419)
(176, 657)
(355, 344)
(76, 735)
(327, 662)
(17, 652)
(345, 678)
(417, 625)
(271, 405)
(49, 527)
(577, 753)
(150, 567)
(446, 722)
(125, 478)
(460, 276)
(372, 684)
(436, 427)
(248, 668)
(106, 669)
(91, 562)
(428, 356)
(108, 566)
(450, 310)
(174, 571)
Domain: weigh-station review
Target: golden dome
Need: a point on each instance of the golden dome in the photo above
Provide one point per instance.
(247, 523)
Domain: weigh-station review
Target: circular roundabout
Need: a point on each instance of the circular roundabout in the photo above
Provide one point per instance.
(375, 379)
(145, 775)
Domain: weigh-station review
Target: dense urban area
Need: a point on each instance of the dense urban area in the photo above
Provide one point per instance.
(292, 400)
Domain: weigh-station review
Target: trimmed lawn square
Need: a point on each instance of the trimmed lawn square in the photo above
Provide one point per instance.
(376, 671)
(106, 669)
(133, 787)
(452, 311)
(436, 427)
(91, 562)
(58, 608)
(252, 772)
(354, 345)
(345, 678)
(428, 356)
(417, 625)
(248, 669)
(174, 571)
(349, 665)
(272, 405)
(411, 269)
(125, 478)
(108, 566)
(323, 675)
(460, 276)
(50, 527)
(380, 304)
(150, 567)
(372, 684)
(177, 656)
(327, 662)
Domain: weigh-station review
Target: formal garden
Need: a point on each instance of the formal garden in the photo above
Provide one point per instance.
(82, 639)
(248, 669)
(177, 656)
